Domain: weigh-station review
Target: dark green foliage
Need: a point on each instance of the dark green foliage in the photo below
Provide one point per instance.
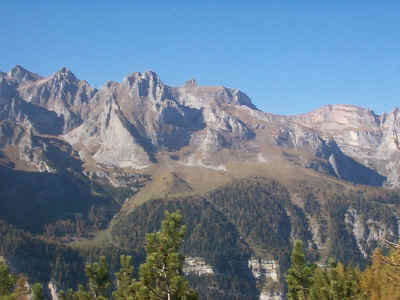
(257, 208)
(299, 277)
(336, 282)
(37, 291)
(161, 276)
(99, 280)
(342, 244)
(332, 282)
(125, 284)
(208, 235)
(62, 203)
(260, 209)
(225, 227)
(7, 280)
(368, 205)
(41, 260)
(81, 293)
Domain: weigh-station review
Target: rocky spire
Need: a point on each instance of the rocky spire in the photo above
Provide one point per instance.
(20, 74)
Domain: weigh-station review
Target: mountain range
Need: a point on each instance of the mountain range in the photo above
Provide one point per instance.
(87, 169)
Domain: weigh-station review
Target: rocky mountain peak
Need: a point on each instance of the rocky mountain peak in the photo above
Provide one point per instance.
(243, 99)
(65, 74)
(138, 77)
(339, 117)
(20, 74)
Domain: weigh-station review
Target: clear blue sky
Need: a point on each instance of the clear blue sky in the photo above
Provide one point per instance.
(288, 56)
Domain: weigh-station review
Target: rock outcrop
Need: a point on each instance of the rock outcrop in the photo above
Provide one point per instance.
(368, 139)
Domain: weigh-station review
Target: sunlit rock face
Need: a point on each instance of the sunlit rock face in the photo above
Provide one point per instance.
(262, 268)
(197, 266)
(369, 231)
(370, 139)
(53, 290)
(129, 124)
(132, 120)
(61, 92)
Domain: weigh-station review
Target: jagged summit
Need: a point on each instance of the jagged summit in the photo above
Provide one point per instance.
(138, 76)
(20, 74)
(64, 73)
(64, 70)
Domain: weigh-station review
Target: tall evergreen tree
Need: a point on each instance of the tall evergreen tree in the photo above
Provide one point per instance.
(7, 280)
(320, 287)
(125, 282)
(99, 280)
(299, 276)
(161, 276)
(352, 283)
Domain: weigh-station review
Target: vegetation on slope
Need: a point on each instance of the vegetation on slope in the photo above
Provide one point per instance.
(226, 227)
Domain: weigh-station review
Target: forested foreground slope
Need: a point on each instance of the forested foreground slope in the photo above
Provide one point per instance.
(238, 238)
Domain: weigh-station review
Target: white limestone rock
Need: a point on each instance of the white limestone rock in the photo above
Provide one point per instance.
(198, 266)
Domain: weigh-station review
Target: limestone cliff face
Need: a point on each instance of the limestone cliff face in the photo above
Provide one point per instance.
(369, 231)
(134, 122)
(360, 134)
(61, 92)
(108, 138)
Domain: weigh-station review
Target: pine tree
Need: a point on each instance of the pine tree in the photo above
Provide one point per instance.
(99, 280)
(352, 284)
(320, 287)
(299, 276)
(336, 282)
(69, 295)
(7, 280)
(161, 276)
(125, 282)
(81, 293)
